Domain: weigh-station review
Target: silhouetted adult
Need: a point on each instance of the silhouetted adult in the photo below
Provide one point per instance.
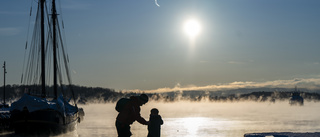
(129, 114)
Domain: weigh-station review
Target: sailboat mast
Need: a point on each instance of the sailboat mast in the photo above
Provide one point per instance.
(43, 81)
(4, 83)
(54, 20)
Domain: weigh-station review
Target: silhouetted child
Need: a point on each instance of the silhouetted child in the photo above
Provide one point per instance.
(155, 122)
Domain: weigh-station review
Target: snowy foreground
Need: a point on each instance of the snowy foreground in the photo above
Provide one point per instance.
(283, 134)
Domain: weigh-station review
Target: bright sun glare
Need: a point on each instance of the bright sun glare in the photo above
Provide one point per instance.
(192, 28)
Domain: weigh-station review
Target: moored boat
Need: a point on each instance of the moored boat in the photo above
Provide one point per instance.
(41, 110)
(4, 108)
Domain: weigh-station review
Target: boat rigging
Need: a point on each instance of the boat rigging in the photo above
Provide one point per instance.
(44, 109)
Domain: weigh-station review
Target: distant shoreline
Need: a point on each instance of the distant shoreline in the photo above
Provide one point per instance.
(97, 94)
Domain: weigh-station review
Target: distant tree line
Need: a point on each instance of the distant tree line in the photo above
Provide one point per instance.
(85, 95)
(81, 93)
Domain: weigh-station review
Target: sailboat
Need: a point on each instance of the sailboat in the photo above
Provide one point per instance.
(4, 108)
(46, 109)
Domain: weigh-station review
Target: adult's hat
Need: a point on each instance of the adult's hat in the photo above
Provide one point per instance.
(144, 98)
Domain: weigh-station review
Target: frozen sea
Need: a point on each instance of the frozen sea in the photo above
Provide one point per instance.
(206, 119)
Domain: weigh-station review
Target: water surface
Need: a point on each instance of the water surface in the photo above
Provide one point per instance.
(194, 119)
(190, 119)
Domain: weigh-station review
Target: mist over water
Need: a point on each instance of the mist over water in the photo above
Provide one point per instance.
(206, 119)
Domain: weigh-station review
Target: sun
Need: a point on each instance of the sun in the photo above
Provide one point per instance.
(192, 27)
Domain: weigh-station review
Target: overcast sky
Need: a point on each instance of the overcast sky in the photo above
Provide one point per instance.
(137, 44)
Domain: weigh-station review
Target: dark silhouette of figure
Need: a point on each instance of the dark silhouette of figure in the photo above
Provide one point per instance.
(155, 122)
(129, 114)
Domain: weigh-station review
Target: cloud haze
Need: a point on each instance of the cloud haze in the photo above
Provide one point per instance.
(307, 83)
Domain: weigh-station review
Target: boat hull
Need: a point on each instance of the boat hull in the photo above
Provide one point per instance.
(5, 121)
(43, 122)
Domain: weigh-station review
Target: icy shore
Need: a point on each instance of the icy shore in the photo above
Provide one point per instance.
(283, 134)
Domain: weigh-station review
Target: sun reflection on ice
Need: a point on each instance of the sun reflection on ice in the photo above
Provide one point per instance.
(195, 126)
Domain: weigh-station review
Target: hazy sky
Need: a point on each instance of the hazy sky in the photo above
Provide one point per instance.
(136, 44)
